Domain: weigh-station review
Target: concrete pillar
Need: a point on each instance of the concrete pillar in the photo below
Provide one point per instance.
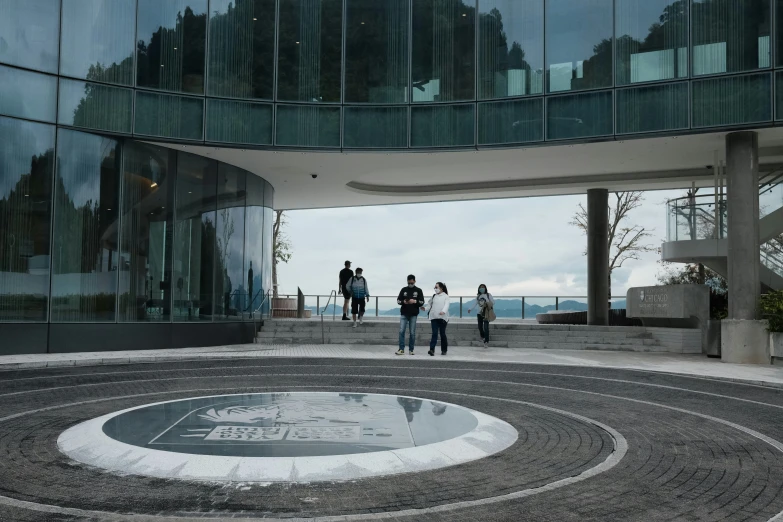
(742, 174)
(598, 257)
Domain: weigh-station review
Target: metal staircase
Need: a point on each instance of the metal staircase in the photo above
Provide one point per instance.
(697, 228)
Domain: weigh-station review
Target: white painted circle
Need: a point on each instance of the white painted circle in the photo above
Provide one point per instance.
(88, 443)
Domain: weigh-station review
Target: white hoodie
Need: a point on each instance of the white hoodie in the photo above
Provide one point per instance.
(437, 304)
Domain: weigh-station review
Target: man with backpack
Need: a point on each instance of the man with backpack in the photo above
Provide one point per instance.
(410, 299)
(360, 295)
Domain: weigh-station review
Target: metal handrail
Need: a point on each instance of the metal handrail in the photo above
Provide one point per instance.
(253, 314)
(334, 312)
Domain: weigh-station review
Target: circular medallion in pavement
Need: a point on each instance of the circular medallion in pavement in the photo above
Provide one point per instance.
(286, 437)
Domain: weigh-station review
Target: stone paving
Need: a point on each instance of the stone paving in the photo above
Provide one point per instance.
(692, 448)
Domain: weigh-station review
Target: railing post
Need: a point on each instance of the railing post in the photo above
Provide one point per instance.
(460, 307)
(318, 305)
(523, 308)
(557, 303)
(376, 306)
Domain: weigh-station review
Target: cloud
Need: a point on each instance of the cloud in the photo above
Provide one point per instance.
(515, 246)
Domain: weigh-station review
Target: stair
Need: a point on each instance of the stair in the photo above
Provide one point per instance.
(503, 335)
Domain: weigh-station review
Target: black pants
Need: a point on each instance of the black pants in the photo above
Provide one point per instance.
(439, 327)
(357, 306)
(483, 328)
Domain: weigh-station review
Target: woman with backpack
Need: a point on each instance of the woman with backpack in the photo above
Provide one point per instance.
(486, 312)
(439, 318)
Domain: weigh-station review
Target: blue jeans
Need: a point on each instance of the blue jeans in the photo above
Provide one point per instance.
(410, 323)
(439, 327)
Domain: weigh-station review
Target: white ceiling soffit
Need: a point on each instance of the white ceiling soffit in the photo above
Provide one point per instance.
(355, 178)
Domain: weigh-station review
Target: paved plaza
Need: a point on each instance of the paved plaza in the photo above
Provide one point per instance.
(593, 436)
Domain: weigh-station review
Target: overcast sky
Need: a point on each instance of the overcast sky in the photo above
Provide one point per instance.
(515, 246)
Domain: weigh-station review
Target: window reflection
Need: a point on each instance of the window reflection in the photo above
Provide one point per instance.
(26, 164)
(84, 267)
(194, 238)
(517, 121)
(97, 40)
(254, 245)
(230, 283)
(27, 94)
(233, 121)
(146, 238)
(310, 50)
(171, 37)
(241, 48)
(379, 127)
(511, 48)
(443, 126)
(730, 35)
(30, 33)
(376, 51)
(443, 50)
(579, 116)
(169, 115)
(652, 108)
(95, 106)
(652, 40)
(308, 126)
(579, 44)
(733, 100)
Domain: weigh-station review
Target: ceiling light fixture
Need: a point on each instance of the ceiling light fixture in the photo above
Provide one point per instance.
(255, 19)
(297, 43)
(154, 184)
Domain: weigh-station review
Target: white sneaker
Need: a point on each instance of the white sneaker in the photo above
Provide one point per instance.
(354, 324)
(361, 321)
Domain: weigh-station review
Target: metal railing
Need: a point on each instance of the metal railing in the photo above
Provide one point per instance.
(511, 307)
(321, 313)
(260, 314)
(691, 218)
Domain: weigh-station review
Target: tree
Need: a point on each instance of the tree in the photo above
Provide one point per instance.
(691, 274)
(281, 246)
(625, 242)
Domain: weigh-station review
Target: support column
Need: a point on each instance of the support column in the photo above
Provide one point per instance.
(598, 257)
(742, 173)
(744, 339)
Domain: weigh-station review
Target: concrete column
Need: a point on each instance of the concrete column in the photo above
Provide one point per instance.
(598, 257)
(742, 174)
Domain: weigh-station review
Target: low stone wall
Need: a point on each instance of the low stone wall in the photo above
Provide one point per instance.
(617, 317)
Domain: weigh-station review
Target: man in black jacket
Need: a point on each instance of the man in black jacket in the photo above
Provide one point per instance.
(410, 300)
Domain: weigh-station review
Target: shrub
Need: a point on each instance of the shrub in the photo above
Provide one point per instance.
(772, 310)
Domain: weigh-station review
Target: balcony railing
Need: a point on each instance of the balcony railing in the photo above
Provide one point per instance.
(506, 307)
(695, 217)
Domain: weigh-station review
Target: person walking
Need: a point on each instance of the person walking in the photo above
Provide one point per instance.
(410, 299)
(439, 318)
(345, 275)
(360, 294)
(485, 313)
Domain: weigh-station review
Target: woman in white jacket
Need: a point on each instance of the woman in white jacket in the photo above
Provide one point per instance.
(439, 318)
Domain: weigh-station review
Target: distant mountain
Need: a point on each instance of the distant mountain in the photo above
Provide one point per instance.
(505, 308)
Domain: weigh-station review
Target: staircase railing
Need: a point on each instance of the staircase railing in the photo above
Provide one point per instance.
(260, 315)
(334, 313)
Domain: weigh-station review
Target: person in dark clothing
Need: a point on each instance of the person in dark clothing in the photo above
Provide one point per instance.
(410, 300)
(345, 275)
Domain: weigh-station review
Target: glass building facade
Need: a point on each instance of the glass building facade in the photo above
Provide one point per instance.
(98, 228)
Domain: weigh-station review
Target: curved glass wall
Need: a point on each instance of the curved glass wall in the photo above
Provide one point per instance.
(99, 229)
(391, 74)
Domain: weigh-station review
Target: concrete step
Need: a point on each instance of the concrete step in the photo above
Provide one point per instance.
(459, 334)
(459, 329)
(389, 336)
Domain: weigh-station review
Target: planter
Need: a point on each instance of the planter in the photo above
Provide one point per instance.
(712, 343)
(776, 344)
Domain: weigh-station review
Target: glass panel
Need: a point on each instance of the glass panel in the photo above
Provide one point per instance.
(145, 241)
(84, 267)
(654, 108)
(511, 48)
(29, 33)
(516, 121)
(169, 116)
(308, 126)
(26, 168)
(254, 243)
(779, 33)
(239, 122)
(97, 40)
(309, 61)
(779, 95)
(26, 94)
(170, 45)
(194, 238)
(652, 40)
(578, 44)
(443, 50)
(730, 35)
(731, 101)
(230, 290)
(241, 48)
(377, 127)
(376, 51)
(95, 106)
(443, 126)
(269, 195)
(269, 219)
(579, 116)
